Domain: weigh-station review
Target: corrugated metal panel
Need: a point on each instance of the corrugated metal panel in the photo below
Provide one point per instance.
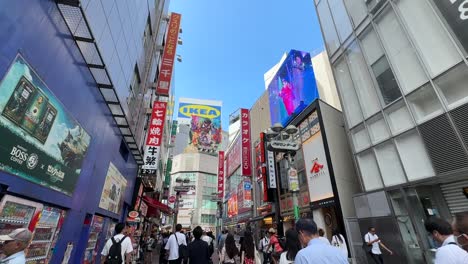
(444, 148)
(453, 194)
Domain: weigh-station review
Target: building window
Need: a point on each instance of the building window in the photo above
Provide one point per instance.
(207, 203)
(343, 25)
(360, 138)
(399, 118)
(369, 170)
(378, 129)
(454, 85)
(424, 103)
(371, 47)
(400, 53)
(429, 35)
(357, 10)
(389, 163)
(362, 81)
(346, 87)
(208, 219)
(328, 28)
(414, 157)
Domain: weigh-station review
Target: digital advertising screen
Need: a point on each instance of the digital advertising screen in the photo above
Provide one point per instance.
(292, 88)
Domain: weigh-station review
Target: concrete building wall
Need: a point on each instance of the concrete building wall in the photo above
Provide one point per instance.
(325, 81)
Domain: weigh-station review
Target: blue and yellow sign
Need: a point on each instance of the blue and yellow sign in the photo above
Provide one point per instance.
(205, 125)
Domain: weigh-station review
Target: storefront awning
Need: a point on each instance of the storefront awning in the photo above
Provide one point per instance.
(154, 205)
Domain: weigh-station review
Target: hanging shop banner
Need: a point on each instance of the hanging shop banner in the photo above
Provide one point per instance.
(247, 193)
(113, 191)
(167, 62)
(233, 157)
(154, 137)
(246, 148)
(232, 206)
(260, 158)
(318, 175)
(293, 180)
(456, 14)
(221, 174)
(271, 169)
(41, 141)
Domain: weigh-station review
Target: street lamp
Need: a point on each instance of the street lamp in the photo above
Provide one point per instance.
(281, 140)
(179, 188)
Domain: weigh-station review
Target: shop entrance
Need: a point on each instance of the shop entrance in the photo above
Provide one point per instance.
(412, 207)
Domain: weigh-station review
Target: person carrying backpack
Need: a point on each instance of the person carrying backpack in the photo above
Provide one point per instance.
(118, 248)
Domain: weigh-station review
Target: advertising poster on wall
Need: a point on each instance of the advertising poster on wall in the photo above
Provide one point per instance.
(456, 14)
(292, 88)
(318, 175)
(232, 205)
(113, 191)
(233, 157)
(205, 123)
(41, 141)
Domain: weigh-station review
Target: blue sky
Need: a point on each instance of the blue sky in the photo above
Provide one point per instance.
(229, 44)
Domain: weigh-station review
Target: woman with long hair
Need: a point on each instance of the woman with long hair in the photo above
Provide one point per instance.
(248, 249)
(339, 241)
(229, 251)
(293, 245)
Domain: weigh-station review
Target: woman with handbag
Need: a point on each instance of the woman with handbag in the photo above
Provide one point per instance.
(229, 251)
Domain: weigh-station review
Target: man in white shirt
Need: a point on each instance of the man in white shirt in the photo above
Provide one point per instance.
(449, 252)
(126, 247)
(172, 245)
(14, 244)
(373, 240)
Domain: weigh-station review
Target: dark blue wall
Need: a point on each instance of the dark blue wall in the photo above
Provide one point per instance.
(36, 29)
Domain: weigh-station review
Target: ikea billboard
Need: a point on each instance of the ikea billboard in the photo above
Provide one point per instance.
(204, 118)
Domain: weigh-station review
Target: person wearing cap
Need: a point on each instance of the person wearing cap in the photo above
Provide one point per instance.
(275, 245)
(14, 244)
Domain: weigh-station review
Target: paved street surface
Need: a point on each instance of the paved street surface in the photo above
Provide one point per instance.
(156, 257)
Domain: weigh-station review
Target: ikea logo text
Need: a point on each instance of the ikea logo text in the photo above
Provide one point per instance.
(204, 111)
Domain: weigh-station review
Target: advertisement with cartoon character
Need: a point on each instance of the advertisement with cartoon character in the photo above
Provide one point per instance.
(204, 118)
(113, 191)
(41, 141)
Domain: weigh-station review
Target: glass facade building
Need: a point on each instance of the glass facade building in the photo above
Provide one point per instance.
(401, 70)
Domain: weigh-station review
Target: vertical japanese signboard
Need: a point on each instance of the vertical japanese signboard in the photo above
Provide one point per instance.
(167, 63)
(271, 170)
(221, 174)
(233, 157)
(245, 134)
(154, 138)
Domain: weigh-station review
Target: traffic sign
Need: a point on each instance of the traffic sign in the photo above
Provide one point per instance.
(172, 199)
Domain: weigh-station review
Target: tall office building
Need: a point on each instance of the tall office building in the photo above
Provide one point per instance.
(401, 71)
(74, 93)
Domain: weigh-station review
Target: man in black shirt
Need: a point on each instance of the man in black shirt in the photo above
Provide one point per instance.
(198, 249)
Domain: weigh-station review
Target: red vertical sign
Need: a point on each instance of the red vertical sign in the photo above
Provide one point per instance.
(154, 136)
(221, 174)
(245, 134)
(167, 61)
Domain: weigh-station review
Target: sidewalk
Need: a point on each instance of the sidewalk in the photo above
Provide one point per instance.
(156, 251)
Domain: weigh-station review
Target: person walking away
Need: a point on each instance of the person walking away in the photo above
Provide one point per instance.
(322, 236)
(163, 252)
(198, 251)
(149, 246)
(274, 245)
(263, 245)
(221, 240)
(292, 247)
(176, 244)
(315, 251)
(118, 249)
(460, 229)
(229, 251)
(14, 244)
(339, 241)
(374, 242)
(449, 252)
(248, 249)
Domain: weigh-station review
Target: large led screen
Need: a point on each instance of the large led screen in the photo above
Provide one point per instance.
(292, 88)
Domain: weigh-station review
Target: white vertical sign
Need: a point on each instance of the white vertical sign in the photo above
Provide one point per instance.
(271, 170)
